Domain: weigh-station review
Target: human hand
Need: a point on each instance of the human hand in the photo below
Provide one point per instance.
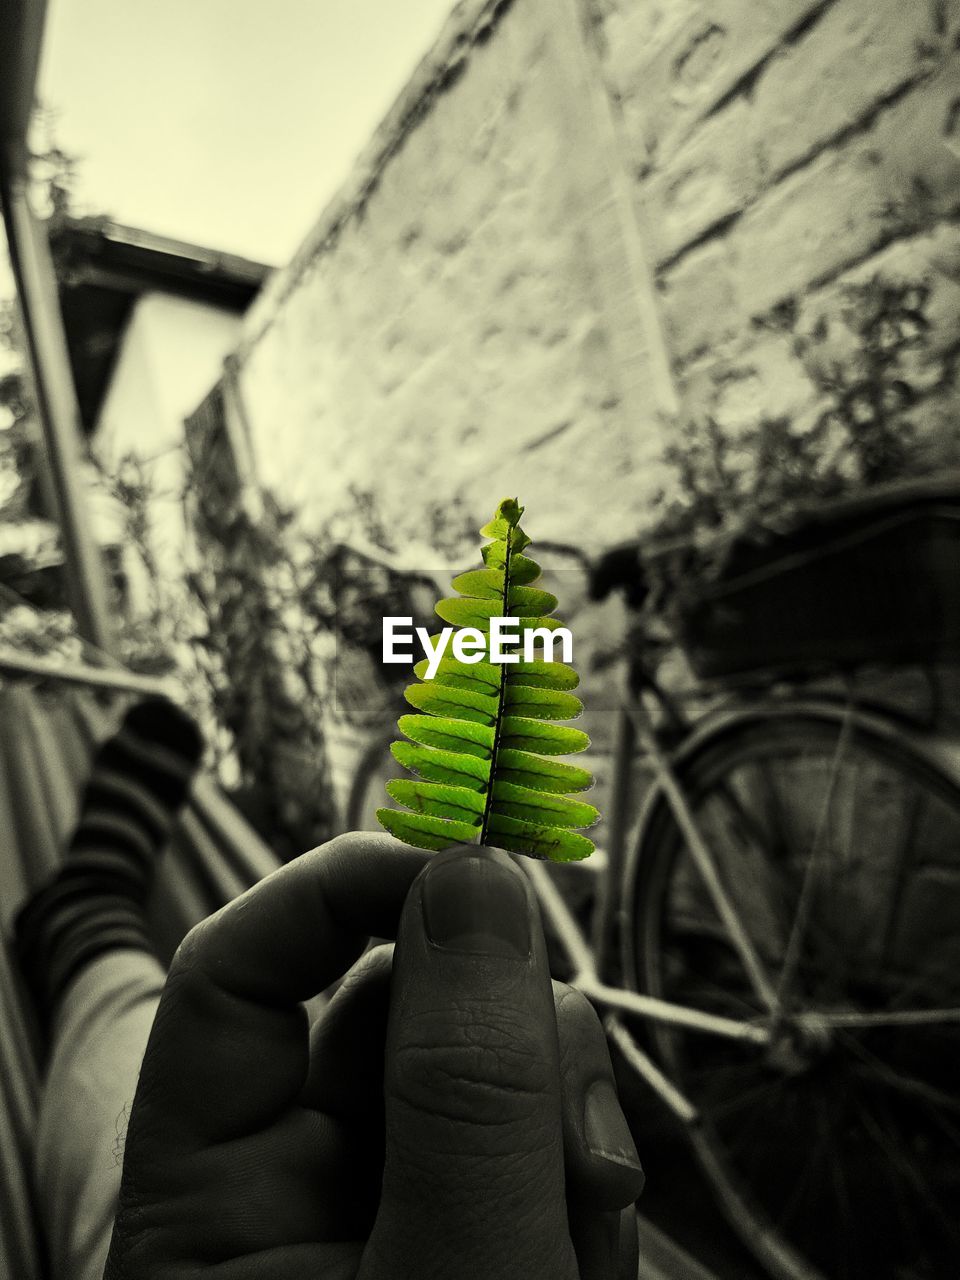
(435, 1125)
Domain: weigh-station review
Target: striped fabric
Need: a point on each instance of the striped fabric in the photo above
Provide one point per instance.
(47, 740)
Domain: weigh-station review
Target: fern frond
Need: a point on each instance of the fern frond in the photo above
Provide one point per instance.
(483, 747)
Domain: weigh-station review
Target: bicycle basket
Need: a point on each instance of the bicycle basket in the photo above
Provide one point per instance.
(365, 690)
(362, 694)
(874, 579)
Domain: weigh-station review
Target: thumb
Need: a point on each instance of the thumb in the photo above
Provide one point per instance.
(473, 1183)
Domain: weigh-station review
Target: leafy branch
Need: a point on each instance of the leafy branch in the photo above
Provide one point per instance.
(872, 366)
(484, 749)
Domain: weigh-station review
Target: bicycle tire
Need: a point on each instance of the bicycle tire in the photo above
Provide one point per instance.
(872, 1104)
(367, 792)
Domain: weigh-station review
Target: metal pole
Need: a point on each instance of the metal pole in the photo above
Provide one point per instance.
(619, 814)
(59, 411)
(21, 664)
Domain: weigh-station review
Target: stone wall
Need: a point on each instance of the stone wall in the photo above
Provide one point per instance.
(171, 350)
(586, 223)
(469, 313)
(778, 151)
(586, 220)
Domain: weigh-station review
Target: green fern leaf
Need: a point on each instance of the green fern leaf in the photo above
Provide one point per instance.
(484, 743)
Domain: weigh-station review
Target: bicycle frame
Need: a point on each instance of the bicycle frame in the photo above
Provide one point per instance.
(683, 751)
(588, 959)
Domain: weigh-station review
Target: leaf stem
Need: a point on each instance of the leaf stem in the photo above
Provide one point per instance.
(488, 803)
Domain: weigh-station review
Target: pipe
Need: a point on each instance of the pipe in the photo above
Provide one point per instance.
(59, 411)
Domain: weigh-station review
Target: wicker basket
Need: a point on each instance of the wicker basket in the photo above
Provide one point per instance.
(875, 579)
(362, 695)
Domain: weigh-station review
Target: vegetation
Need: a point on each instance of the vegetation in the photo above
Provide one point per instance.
(482, 750)
(869, 364)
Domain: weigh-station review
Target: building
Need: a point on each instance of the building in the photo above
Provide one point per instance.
(148, 322)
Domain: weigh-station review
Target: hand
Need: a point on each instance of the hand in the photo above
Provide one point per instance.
(452, 1116)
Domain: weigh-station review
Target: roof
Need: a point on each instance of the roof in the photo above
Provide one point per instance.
(103, 268)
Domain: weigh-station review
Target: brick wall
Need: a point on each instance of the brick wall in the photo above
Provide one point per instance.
(778, 151)
(587, 221)
(468, 309)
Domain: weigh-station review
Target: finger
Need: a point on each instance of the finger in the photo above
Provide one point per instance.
(345, 1087)
(596, 1238)
(473, 1180)
(607, 1243)
(346, 1079)
(628, 1261)
(603, 1168)
(229, 1046)
(347, 1044)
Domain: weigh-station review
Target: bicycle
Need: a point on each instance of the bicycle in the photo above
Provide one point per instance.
(758, 951)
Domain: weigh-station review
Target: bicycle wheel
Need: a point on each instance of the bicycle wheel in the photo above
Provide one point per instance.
(367, 790)
(835, 1148)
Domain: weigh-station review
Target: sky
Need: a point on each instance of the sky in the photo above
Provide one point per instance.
(227, 123)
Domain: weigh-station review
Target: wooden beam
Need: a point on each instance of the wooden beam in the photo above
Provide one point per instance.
(22, 664)
(57, 404)
(22, 24)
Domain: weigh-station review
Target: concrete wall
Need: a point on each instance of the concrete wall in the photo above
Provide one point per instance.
(778, 150)
(587, 220)
(172, 351)
(471, 309)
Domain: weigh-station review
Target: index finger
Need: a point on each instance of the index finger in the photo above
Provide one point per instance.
(229, 1048)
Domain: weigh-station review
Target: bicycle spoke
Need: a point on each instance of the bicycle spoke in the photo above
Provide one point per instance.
(841, 1195)
(897, 1080)
(805, 904)
(770, 891)
(672, 1013)
(885, 1132)
(703, 992)
(898, 880)
(890, 1018)
(734, 1102)
(736, 825)
(842, 1131)
(795, 1201)
(909, 1173)
(702, 856)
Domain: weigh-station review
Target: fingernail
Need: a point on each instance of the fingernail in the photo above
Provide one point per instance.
(605, 1126)
(476, 903)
